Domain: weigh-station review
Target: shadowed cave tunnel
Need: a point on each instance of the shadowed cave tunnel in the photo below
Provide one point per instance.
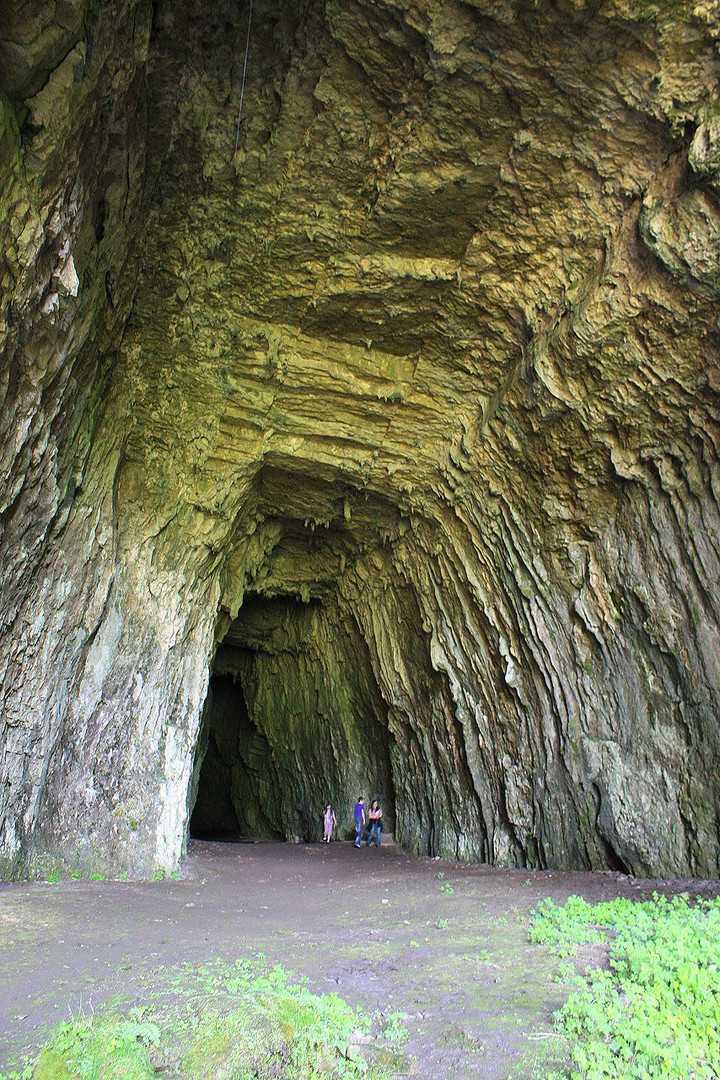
(294, 716)
(266, 777)
(380, 456)
(237, 788)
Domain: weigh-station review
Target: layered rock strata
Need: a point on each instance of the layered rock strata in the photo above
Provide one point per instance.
(404, 418)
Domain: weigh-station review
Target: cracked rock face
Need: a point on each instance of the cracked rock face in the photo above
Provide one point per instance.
(381, 455)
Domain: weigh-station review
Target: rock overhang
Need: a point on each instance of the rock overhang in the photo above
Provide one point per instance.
(436, 350)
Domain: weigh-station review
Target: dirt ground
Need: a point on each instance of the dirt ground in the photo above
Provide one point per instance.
(443, 943)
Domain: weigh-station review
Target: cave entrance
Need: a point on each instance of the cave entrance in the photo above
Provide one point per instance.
(235, 789)
(293, 719)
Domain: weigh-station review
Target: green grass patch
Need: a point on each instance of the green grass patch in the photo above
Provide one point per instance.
(655, 1010)
(241, 1023)
(110, 1046)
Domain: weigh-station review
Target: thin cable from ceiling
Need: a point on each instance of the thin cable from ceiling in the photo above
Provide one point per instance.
(242, 91)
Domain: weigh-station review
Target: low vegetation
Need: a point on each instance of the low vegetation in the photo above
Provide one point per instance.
(654, 1010)
(249, 1025)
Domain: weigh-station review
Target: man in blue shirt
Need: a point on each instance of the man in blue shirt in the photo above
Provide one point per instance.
(359, 820)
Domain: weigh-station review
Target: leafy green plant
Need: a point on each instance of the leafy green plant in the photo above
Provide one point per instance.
(23, 1073)
(565, 972)
(395, 1030)
(655, 1011)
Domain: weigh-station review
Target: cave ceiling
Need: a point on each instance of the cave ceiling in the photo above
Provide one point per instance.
(432, 358)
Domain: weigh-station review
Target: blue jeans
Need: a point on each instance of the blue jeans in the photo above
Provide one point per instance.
(375, 830)
(358, 831)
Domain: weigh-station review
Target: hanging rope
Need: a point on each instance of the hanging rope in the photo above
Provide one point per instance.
(242, 91)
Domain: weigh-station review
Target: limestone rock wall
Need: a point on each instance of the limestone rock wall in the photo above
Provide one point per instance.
(434, 357)
(72, 162)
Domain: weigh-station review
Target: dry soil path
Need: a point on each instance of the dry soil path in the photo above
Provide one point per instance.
(444, 943)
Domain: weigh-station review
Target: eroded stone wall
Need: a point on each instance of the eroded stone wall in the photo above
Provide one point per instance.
(72, 163)
(436, 350)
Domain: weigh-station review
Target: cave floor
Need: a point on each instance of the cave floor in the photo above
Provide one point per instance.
(444, 943)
